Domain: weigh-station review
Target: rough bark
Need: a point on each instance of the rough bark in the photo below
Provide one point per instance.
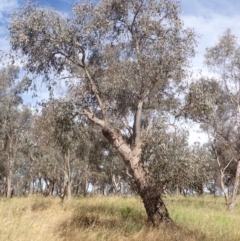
(151, 195)
(152, 198)
(155, 207)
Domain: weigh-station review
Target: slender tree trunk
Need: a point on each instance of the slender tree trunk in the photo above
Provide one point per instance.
(93, 191)
(67, 175)
(116, 184)
(67, 185)
(9, 177)
(177, 191)
(226, 196)
(235, 189)
(31, 184)
(69, 190)
(214, 188)
(77, 189)
(86, 187)
(39, 188)
(222, 175)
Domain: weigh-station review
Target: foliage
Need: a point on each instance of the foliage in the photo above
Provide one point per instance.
(215, 103)
(13, 121)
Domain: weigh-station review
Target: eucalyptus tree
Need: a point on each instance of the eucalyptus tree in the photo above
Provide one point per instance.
(57, 137)
(13, 120)
(126, 59)
(203, 168)
(215, 102)
(166, 155)
(111, 172)
(224, 59)
(40, 163)
(177, 167)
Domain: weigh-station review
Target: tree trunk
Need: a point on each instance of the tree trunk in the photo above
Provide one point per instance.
(152, 199)
(93, 191)
(77, 189)
(69, 190)
(86, 187)
(116, 184)
(67, 175)
(132, 155)
(53, 187)
(9, 178)
(151, 195)
(177, 191)
(67, 185)
(235, 189)
(155, 207)
(31, 184)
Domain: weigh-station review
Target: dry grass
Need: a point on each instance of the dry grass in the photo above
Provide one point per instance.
(114, 218)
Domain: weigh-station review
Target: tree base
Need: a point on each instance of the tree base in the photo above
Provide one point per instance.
(155, 207)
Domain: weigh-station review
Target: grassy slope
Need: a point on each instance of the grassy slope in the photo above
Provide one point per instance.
(114, 218)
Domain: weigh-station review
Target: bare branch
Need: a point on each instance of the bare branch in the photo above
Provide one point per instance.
(137, 125)
(92, 117)
(95, 91)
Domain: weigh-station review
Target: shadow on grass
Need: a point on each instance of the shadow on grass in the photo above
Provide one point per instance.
(127, 222)
(41, 205)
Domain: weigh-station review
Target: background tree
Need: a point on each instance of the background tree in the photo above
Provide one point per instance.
(12, 119)
(216, 104)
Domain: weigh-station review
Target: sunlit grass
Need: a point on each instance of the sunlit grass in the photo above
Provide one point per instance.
(208, 215)
(114, 218)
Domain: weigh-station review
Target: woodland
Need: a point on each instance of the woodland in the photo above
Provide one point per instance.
(121, 124)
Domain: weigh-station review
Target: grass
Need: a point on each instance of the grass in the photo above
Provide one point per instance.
(208, 215)
(114, 218)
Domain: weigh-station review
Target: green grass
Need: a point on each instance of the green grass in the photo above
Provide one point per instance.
(114, 218)
(208, 215)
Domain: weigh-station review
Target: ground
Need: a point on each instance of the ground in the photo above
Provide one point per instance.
(114, 218)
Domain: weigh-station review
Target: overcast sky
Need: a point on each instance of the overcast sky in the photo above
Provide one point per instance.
(209, 18)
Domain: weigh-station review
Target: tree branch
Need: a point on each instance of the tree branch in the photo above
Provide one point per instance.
(137, 125)
(95, 91)
(92, 117)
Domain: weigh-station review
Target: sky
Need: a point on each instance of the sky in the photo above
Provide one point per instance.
(209, 18)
